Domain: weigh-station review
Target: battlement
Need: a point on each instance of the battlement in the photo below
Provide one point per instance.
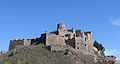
(15, 42)
(19, 40)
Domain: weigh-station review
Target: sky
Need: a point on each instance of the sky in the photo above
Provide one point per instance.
(30, 18)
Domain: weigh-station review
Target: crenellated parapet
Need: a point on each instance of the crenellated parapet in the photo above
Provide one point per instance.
(19, 40)
(15, 42)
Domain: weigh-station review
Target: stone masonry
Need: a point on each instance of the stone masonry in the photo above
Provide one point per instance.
(74, 38)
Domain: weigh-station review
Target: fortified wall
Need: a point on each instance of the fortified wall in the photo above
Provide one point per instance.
(77, 39)
(24, 42)
(13, 43)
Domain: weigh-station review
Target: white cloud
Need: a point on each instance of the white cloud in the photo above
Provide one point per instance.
(115, 52)
(116, 22)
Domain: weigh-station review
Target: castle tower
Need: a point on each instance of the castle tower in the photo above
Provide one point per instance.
(61, 26)
(89, 36)
(61, 29)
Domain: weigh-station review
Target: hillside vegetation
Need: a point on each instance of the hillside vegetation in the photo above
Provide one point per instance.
(36, 56)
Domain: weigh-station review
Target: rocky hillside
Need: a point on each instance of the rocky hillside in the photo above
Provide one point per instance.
(39, 55)
(36, 56)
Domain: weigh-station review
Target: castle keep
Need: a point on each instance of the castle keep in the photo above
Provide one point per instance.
(61, 36)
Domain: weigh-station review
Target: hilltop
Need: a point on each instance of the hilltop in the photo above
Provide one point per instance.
(41, 55)
(61, 46)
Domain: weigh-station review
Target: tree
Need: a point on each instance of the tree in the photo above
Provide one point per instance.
(96, 44)
(99, 46)
(102, 49)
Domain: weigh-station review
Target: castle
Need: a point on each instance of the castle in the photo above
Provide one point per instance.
(78, 41)
(74, 38)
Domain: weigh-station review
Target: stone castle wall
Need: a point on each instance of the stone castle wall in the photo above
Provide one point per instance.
(74, 38)
(80, 43)
(13, 43)
(53, 39)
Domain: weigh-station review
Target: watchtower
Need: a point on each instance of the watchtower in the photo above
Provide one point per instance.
(61, 29)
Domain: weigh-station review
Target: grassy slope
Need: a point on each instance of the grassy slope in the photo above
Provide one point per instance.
(38, 56)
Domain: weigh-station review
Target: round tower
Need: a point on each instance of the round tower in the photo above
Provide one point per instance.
(61, 29)
(61, 26)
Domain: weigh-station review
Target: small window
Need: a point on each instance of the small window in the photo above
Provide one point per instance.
(112, 56)
(85, 44)
(77, 47)
(77, 43)
(85, 39)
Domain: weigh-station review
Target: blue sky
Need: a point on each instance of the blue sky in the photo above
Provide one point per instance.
(30, 18)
